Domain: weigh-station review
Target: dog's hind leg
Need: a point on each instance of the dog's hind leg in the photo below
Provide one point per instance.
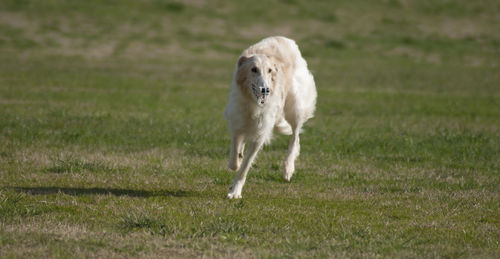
(239, 179)
(236, 153)
(293, 153)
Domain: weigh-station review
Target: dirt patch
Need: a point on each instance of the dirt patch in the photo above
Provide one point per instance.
(259, 31)
(16, 20)
(414, 54)
(453, 28)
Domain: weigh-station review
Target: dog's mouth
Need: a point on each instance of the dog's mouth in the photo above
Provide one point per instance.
(261, 93)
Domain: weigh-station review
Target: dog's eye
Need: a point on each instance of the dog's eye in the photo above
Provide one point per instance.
(254, 69)
(269, 70)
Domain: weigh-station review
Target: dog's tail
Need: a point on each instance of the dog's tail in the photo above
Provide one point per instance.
(283, 127)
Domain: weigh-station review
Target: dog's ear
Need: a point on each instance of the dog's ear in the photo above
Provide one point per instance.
(241, 75)
(242, 60)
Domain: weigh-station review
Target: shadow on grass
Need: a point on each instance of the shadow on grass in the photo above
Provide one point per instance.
(103, 191)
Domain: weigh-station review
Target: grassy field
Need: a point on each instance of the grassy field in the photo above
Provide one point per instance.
(113, 142)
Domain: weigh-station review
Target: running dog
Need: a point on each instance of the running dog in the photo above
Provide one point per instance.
(272, 89)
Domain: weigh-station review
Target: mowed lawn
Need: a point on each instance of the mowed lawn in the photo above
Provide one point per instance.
(113, 142)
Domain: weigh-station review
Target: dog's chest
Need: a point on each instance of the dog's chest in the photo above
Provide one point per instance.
(263, 117)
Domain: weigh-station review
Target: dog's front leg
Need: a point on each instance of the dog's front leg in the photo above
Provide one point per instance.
(239, 179)
(236, 153)
(293, 153)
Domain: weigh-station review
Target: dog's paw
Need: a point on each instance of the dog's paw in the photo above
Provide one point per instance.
(288, 172)
(233, 196)
(284, 128)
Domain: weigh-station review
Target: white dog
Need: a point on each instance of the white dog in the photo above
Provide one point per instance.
(271, 89)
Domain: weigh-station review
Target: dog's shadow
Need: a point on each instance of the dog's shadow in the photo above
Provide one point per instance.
(103, 191)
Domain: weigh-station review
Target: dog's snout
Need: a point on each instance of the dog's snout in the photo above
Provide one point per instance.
(265, 90)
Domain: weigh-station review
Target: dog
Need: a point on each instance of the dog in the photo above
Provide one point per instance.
(272, 90)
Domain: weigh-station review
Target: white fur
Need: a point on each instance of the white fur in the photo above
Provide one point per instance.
(252, 114)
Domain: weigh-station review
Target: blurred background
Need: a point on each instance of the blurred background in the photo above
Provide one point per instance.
(345, 41)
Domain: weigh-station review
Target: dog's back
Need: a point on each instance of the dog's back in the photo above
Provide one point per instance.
(283, 49)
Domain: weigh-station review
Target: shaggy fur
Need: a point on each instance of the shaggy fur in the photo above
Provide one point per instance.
(272, 88)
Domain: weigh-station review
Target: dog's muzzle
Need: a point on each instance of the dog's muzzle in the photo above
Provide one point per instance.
(264, 93)
(265, 90)
(261, 92)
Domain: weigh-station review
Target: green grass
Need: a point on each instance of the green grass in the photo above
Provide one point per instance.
(113, 143)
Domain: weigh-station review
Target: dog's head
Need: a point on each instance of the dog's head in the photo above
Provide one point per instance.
(256, 76)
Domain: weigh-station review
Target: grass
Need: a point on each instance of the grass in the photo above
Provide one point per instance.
(113, 143)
